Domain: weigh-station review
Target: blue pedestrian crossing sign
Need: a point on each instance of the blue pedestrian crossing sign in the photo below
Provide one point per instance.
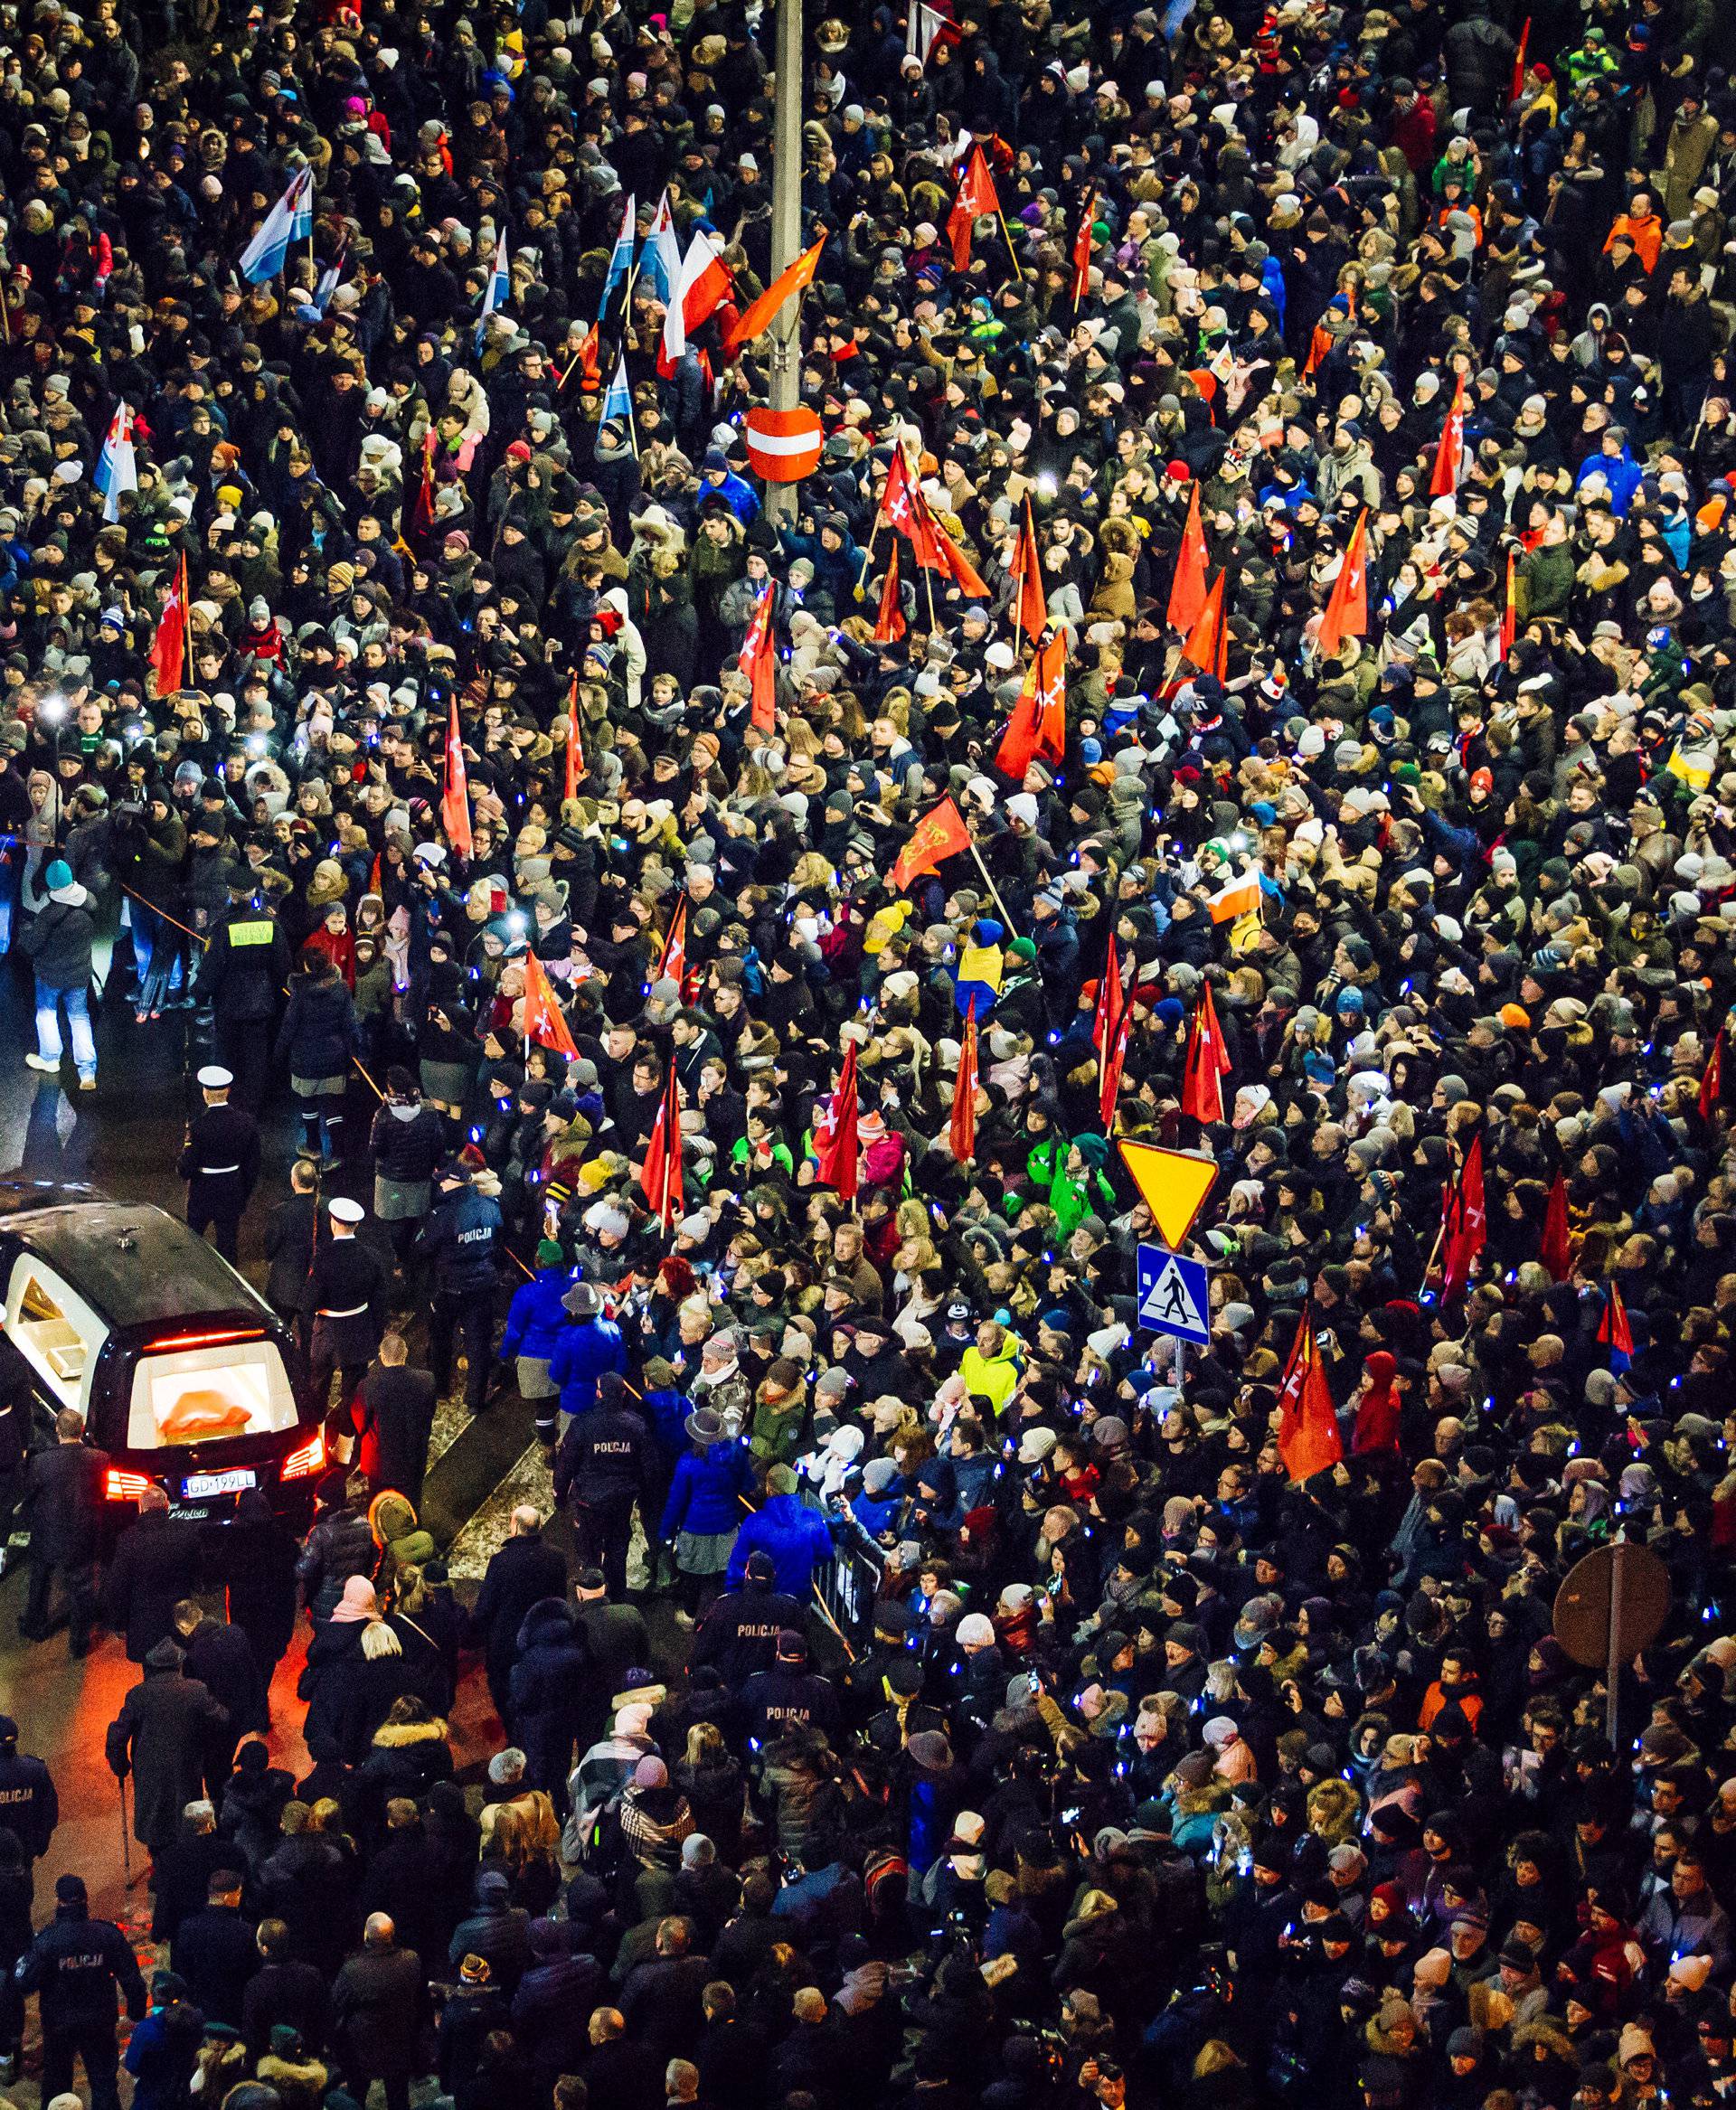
(1172, 1296)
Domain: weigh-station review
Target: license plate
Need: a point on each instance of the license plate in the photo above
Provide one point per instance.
(197, 1486)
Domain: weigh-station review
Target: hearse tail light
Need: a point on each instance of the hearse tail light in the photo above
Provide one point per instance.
(121, 1487)
(309, 1458)
(168, 1341)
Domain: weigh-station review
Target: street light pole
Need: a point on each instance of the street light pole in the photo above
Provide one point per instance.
(787, 231)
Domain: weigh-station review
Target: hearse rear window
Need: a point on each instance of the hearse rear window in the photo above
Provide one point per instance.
(203, 1395)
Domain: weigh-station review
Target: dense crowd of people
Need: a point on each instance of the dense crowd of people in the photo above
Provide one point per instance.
(1252, 671)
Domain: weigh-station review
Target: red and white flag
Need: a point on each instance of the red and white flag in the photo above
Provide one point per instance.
(660, 1178)
(838, 1151)
(758, 662)
(1445, 480)
(977, 199)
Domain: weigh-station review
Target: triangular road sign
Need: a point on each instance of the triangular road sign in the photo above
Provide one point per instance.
(1174, 1183)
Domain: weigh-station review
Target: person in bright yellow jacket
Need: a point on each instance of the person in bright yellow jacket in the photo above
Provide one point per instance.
(993, 1365)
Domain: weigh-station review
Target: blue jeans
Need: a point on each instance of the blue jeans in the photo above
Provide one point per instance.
(48, 1025)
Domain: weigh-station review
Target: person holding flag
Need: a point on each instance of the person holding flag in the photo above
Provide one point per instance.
(118, 464)
(497, 292)
(290, 220)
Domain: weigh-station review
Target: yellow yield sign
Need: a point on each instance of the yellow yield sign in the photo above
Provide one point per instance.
(1173, 1182)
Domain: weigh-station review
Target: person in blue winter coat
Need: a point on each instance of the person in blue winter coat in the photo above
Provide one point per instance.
(712, 1479)
(583, 1353)
(795, 1536)
(534, 1321)
(878, 1503)
(932, 1796)
(547, 1694)
(1620, 472)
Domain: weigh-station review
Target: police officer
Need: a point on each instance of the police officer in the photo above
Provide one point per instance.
(605, 1463)
(458, 1240)
(220, 1163)
(789, 1696)
(242, 975)
(75, 1966)
(28, 1804)
(346, 1288)
(739, 1633)
(863, 1681)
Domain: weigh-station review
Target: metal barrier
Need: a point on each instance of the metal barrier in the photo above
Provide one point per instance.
(847, 1584)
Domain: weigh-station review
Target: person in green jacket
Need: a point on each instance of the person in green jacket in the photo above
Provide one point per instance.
(1080, 1184)
(774, 1433)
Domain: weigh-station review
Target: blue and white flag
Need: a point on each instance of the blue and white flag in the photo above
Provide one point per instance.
(660, 262)
(618, 402)
(330, 278)
(500, 288)
(620, 261)
(288, 221)
(116, 465)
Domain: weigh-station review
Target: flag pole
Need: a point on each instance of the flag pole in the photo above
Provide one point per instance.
(992, 888)
(1018, 268)
(1434, 1254)
(868, 554)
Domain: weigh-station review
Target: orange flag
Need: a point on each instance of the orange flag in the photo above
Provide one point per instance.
(1346, 613)
(575, 753)
(587, 359)
(957, 566)
(1207, 1062)
(660, 1177)
(758, 662)
(1029, 603)
(1038, 725)
(455, 796)
(1082, 248)
(961, 1132)
(1445, 480)
(1204, 645)
(1109, 997)
(1187, 588)
(544, 1021)
(1711, 1095)
(1556, 1252)
(1110, 1033)
(1307, 1428)
(759, 313)
(977, 198)
(889, 617)
(940, 834)
(1509, 614)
